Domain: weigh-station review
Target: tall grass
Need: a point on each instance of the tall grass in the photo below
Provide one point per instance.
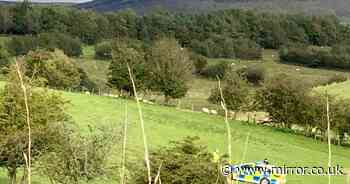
(122, 175)
(146, 154)
(28, 157)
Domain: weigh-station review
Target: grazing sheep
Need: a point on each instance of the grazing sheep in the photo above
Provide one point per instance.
(147, 102)
(298, 69)
(87, 93)
(205, 110)
(214, 112)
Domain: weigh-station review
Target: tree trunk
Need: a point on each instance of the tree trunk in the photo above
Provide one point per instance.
(167, 100)
(12, 172)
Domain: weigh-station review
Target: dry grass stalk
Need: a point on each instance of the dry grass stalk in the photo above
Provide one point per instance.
(124, 145)
(158, 174)
(24, 89)
(223, 105)
(328, 137)
(228, 127)
(148, 165)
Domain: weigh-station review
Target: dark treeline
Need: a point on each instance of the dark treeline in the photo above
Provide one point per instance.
(226, 33)
(336, 57)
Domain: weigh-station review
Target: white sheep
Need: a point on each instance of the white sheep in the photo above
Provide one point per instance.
(214, 112)
(205, 110)
(87, 93)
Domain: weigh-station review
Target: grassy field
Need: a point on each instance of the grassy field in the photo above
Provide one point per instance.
(340, 90)
(164, 124)
(272, 66)
(200, 88)
(3, 40)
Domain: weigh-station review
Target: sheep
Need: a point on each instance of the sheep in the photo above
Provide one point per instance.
(214, 112)
(147, 102)
(87, 93)
(205, 110)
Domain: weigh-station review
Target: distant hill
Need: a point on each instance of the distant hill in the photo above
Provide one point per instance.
(339, 7)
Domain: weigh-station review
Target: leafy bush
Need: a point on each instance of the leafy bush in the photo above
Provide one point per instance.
(214, 71)
(184, 162)
(54, 69)
(46, 115)
(199, 61)
(103, 50)
(79, 158)
(252, 74)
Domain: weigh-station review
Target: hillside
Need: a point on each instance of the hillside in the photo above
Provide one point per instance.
(340, 7)
(164, 124)
(339, 90)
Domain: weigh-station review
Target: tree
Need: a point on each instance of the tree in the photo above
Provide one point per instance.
(253, 74)
(199, 61)
(236, 93)
(46, 115)
(170, 68)
(53, 69)
(122, 56)
(51, 41)
(285, 99)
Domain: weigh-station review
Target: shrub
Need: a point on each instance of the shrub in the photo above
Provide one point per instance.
(199, 61)
(214, 71)
(79, 158)
(54, 69)
(103, 50)
(184, 162)
(253, 74)
(46, 115)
